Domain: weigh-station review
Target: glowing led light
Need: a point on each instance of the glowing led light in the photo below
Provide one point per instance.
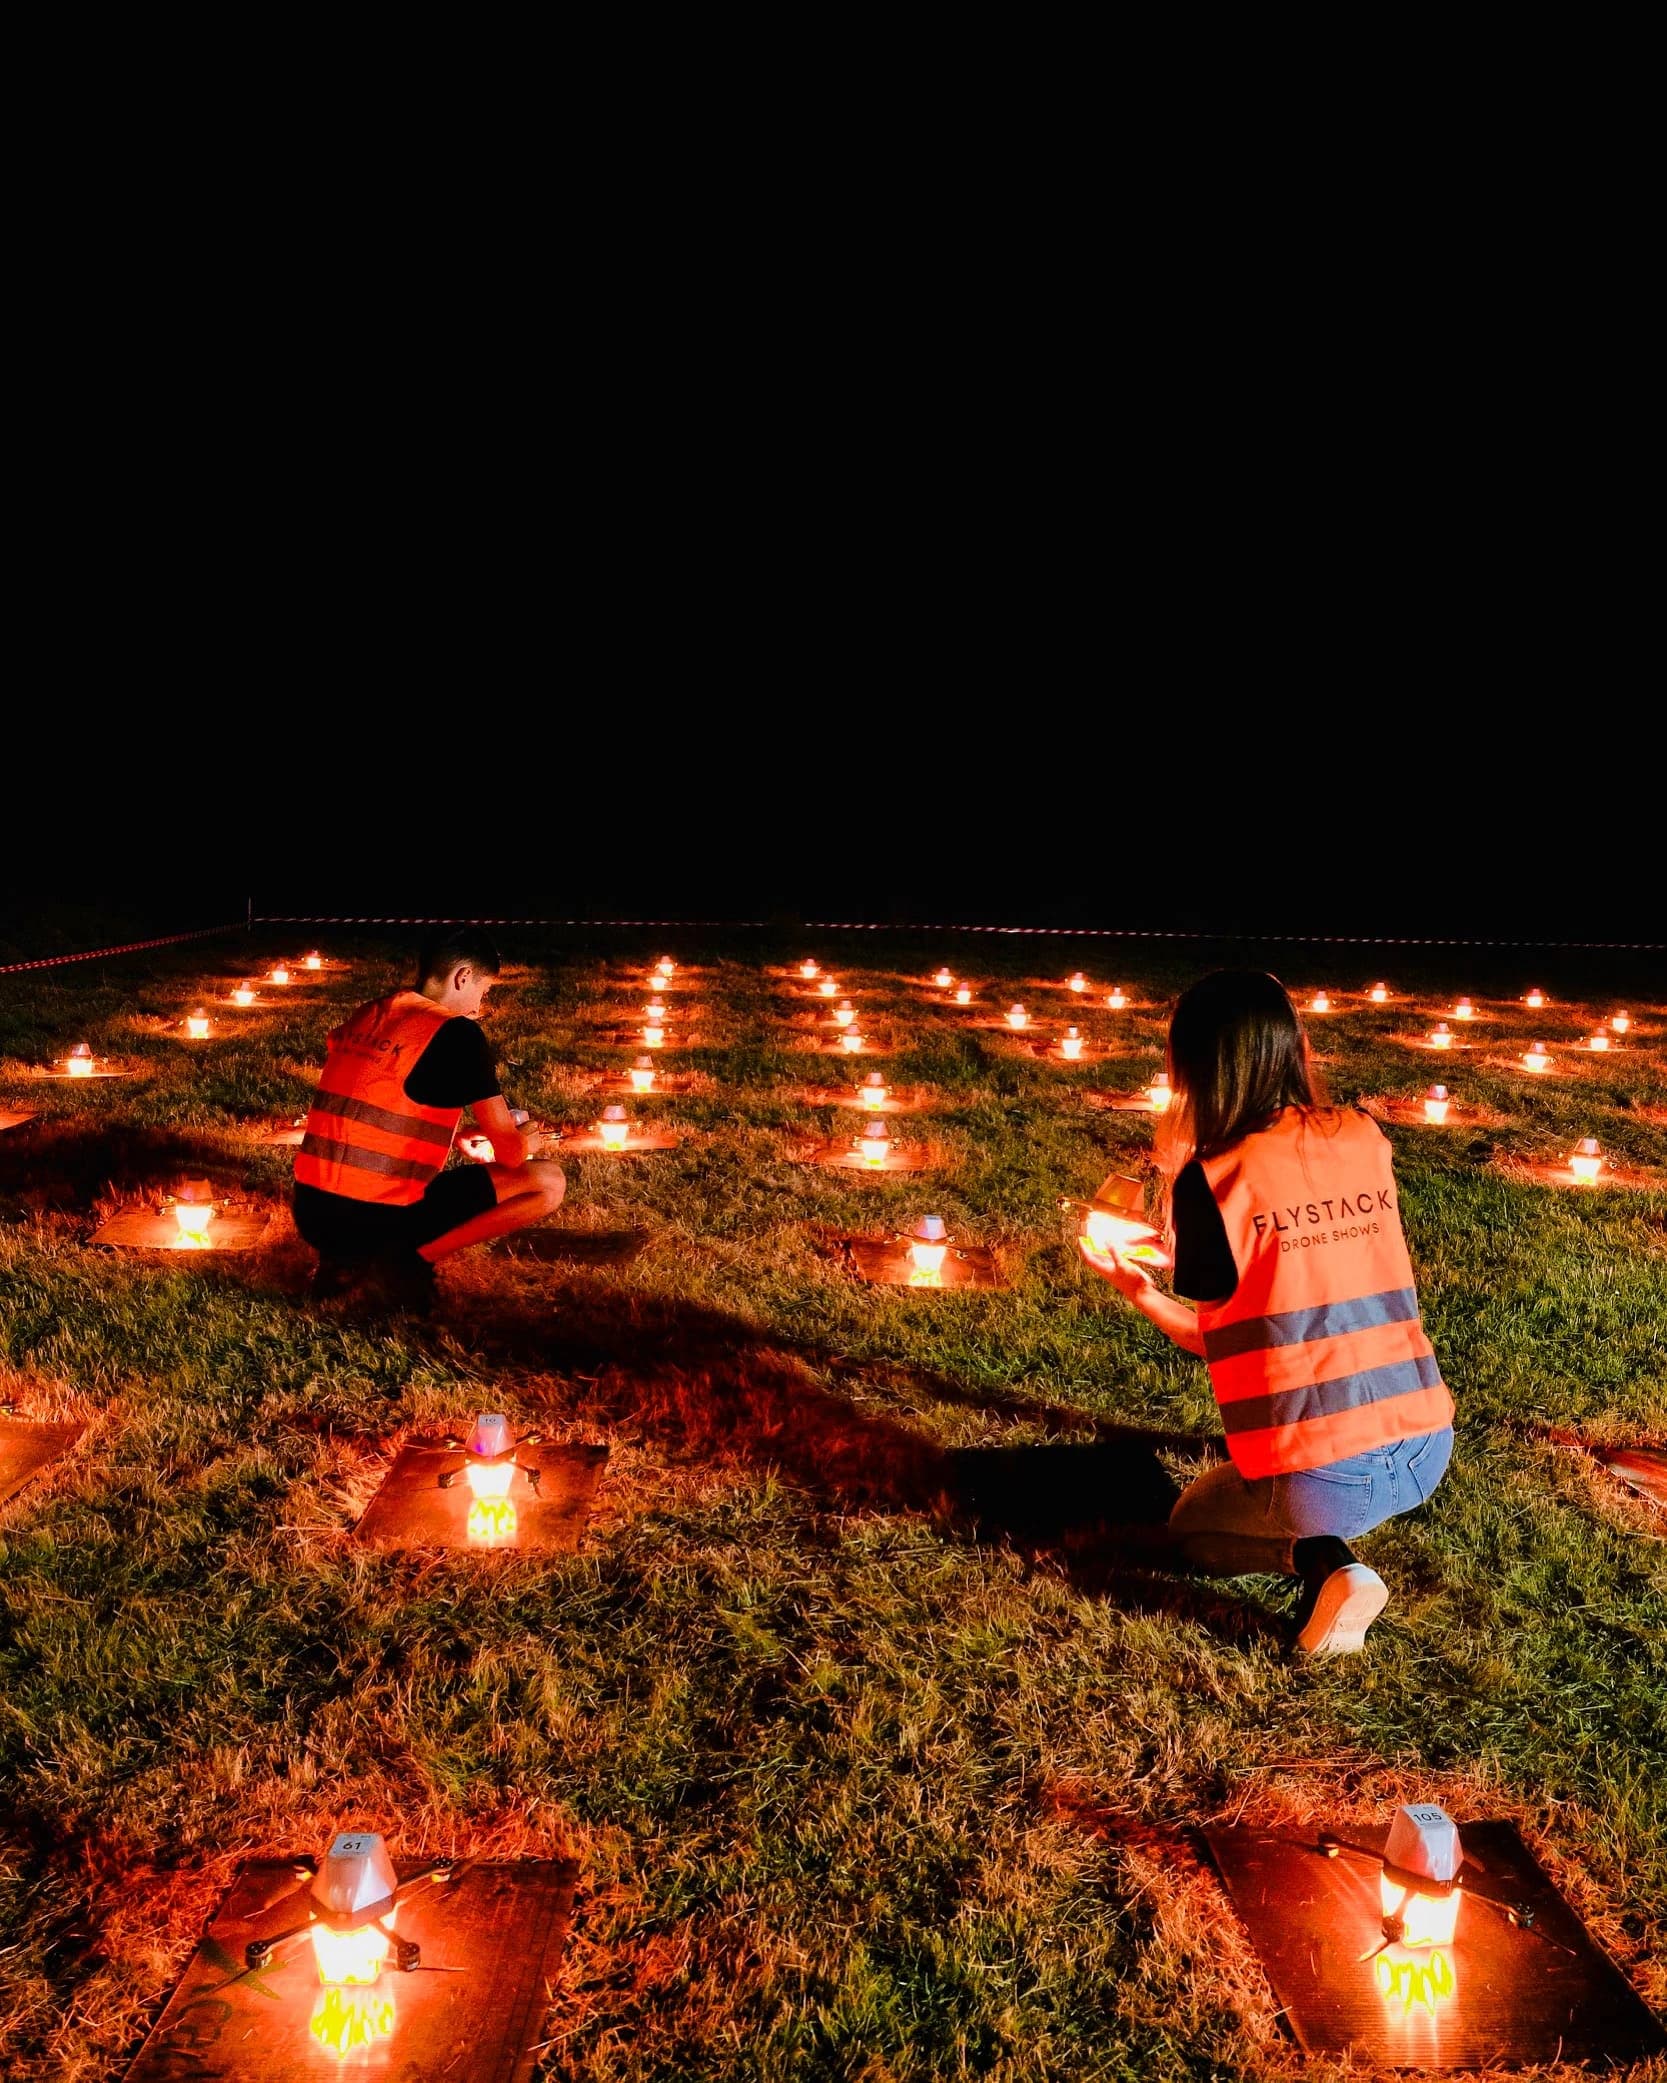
(943, 979)
(243, 995)
(1464, 1010)
(828, 988)
(1070, 1044)
(665, 966)
(1442, 1037)
(844, 1013)
(654, 1037)
(1598, 1042)
(478, 1147)
(1536, 1058)
(1424, 1920)
(873, 1091)
(1319, 1003)
(79, 1061)
(350, 1958)
(1620, 1022)
(809, 971)
(193, 1212)
(962, 995)
(613, 1128)
(1379, 994)
(1117, 999)
(1079, 982)
(655, 1009)
(1017, 1016)
(1159, 1093)
(642, 1075)
(1586, 1160)
(196, 1025)
(344, 2021)
(314, 961)
(1535, 998)
(1436, 1103)
(851, 1041)
(874, 1143)
(928, 1247)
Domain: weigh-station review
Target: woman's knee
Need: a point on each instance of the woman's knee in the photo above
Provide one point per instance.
(549, 1181)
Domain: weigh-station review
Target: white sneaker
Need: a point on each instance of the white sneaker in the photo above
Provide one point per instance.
(1345, 1606)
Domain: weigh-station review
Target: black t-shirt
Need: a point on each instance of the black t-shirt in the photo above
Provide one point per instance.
(1204, 1268)
(456, 1069)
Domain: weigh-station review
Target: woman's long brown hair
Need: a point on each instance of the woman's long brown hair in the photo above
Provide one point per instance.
(1238, 1056)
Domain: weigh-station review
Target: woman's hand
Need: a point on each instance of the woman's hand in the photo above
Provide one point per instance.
(1130, 1280)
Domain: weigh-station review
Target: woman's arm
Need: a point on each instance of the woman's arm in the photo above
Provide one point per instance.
(1173, 1318)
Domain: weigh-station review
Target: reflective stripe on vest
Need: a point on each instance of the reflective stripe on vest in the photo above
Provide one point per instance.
(1319, 1354)
(364, 1139)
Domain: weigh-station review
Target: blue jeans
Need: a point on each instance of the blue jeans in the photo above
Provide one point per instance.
(1229, 1525)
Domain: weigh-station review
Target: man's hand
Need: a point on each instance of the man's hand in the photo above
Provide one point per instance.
(497, 1123)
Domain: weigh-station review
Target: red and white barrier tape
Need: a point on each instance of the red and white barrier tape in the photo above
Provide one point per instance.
(1055, 932)
(126, 947)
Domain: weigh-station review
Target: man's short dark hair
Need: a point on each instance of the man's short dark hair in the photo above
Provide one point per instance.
(449, 947)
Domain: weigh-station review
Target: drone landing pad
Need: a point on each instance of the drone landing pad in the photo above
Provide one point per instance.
(491, 1938)
(27, 1445)
(1515, 1997)
(410, 1510)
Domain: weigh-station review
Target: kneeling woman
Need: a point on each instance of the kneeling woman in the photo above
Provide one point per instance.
(1287, 1232)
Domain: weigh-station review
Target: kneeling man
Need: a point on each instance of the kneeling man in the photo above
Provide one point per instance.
(370, 1195)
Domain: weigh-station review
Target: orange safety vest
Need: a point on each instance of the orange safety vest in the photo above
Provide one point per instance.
(364, 1139)
(1319, 1353)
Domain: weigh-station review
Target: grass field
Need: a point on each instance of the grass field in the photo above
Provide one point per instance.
(876, 1763)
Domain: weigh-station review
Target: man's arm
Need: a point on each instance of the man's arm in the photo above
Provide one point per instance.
(497, 1124)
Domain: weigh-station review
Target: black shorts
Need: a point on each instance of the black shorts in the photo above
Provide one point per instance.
(357, 1230)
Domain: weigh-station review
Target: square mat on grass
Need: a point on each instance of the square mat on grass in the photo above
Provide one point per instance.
(143, 1229)
(27, 1445)
(1518, 1996)
(888, 1264)
(412, 1511)
(10, 1120)
(491, 1939)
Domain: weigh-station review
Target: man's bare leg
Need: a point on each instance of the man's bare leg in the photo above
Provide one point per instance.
(527, 1193)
